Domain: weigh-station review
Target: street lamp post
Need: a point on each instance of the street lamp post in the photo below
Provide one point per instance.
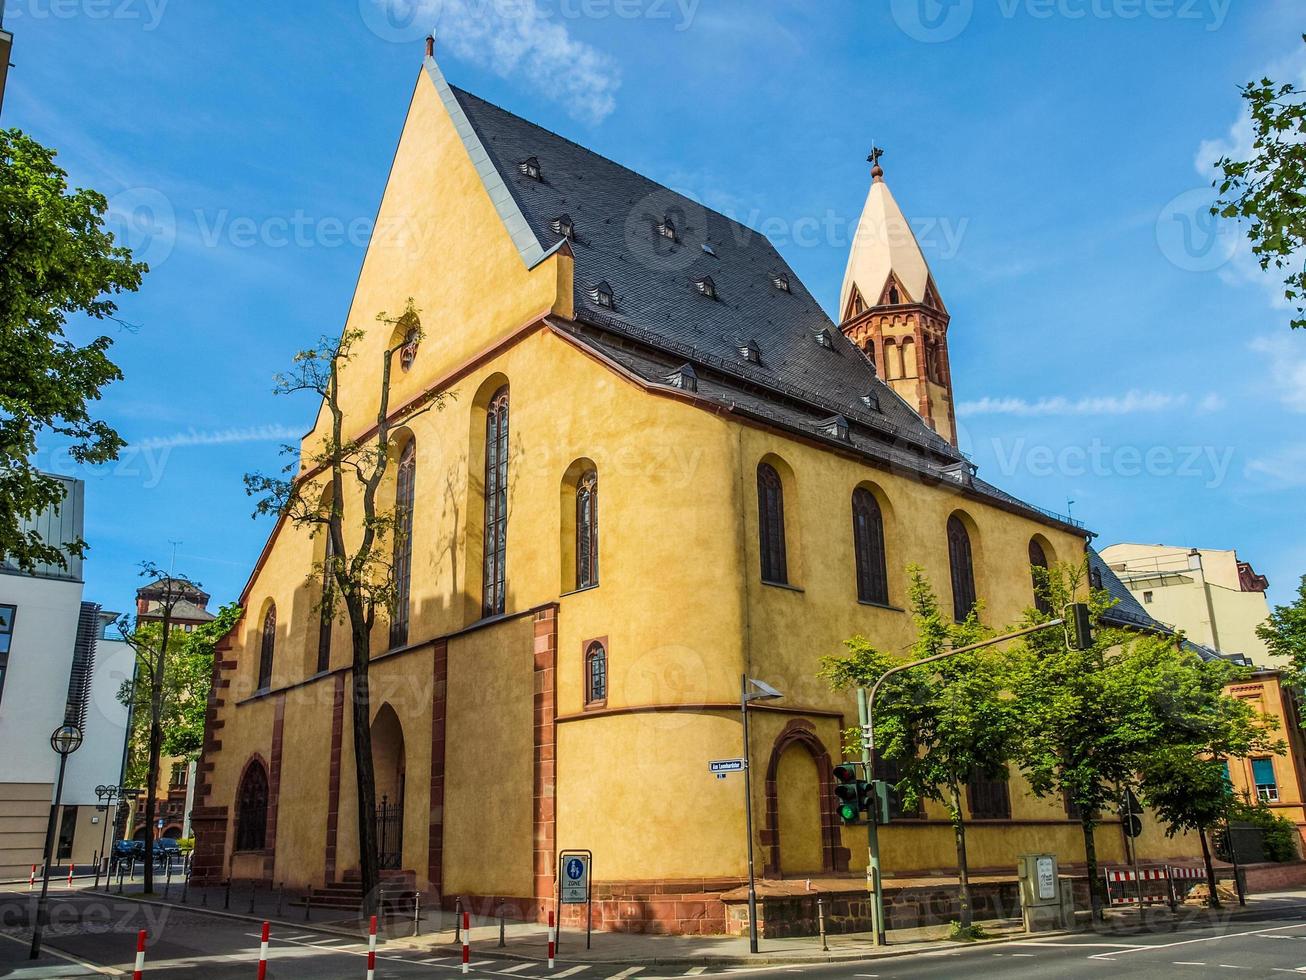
(751, 690)
(106, 795)
(65, 740)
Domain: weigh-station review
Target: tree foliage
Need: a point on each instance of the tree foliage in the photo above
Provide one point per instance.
(940, 722)
(1269, 190)
(1284, 633)
(56, 261)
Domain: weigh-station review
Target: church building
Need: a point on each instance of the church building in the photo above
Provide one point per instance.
(661, 467)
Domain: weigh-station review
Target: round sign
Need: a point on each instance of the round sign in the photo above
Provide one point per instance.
(575, 869)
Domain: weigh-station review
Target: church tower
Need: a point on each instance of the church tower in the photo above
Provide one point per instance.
(890, 308)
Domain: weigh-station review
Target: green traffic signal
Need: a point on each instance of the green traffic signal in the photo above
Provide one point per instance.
(848, 793)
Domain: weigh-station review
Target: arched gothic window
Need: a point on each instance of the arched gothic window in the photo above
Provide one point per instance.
(596, 673)
(771, 525)
(328, 607)
(403, 543)
(587, 530)
(267, 648)
(962, 567)
(1037, 559)
(868, 543)
(496, 502)
(252, 809)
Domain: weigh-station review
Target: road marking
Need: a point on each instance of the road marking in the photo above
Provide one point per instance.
(1189, 942)
(1084, 945)
(1188, 963)
(1228, 966)
(573, 970)
(514, 969)
(626, 973)
(1022, 954)
(695, 971)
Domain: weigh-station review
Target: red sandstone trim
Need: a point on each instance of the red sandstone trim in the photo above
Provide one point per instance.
(333, 783)
(545, 711)
(439, 715)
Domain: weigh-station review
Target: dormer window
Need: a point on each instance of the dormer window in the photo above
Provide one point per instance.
(836, 426)
(684, 377)
(781, 282)
(667, 229)
(706, 287)
(894, 297)
(602, 295)
(825, 339)
(751, 352)
(563, 226)
(530, 167)
(872, 401)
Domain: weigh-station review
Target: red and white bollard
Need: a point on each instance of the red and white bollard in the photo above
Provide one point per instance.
(553, 940)
(140, 955)
(371, 949)
(70, 874)
(467, 942)
(263, 952)
(31, 881)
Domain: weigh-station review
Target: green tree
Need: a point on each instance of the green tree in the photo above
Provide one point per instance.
(1184, 776)
(56, 261)
(1284, 632)
(941, 722)
(1269, 190)
(362, 575)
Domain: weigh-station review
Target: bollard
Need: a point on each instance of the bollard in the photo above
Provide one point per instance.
(457, 920)
(417, 912)
(281, 892)
(96, 886)
(371, 950)
(820, 918)
(467, 942)
(167, 881)
(502, 942)
(263, 952)
(226, 899)
(120, 877)
(140, 955)
(185, 887)
(70, 873)
(308, 905)
(253, 890)
(31, 881)
(553, 940)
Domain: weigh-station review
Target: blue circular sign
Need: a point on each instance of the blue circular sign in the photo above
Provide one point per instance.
(575, 868)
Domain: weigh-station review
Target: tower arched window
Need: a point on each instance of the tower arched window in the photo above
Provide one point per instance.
(252, 809)
(908, 348)
(771, 525)
(868, 543)
(961, 565)
(587, 530)
(496, 503)
(267, 648)
(403, 544)
(596, 673)
(1038, 559)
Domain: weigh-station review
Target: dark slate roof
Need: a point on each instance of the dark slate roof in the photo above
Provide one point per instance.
(660, 320)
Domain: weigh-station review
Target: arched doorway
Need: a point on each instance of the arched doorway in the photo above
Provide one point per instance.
(388, 768)
(801, 830)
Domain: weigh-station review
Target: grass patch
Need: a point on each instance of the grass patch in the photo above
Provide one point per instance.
(966, 934)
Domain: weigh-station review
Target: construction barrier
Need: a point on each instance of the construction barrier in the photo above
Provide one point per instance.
(371, 949)
(1189, 874)
(553, 940)
(140, 955)
(467, 942)
(263, 952)
(1153, 884)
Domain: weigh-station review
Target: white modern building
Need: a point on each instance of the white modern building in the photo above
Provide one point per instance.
(52, 673)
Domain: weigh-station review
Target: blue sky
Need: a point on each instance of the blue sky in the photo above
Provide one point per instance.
(1108, 345)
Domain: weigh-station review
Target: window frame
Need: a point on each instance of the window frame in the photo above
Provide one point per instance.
(267, 648)
(1038, 559)
(869, 549)
(587, 530)
(961, 568)
(771, 542)
(402, 554)
(494, 576)
(8, 633)
(251, 834)
(592, 650)
(983, 789)
(1265, 792)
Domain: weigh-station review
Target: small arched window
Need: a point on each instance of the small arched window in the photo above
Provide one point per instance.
(403, 543)
(961, 565)
(1038, 559)
(868, 543)
(894, 296)
(267, 648)
(771, 525)
(496, 503)
(587, 530)
(596, 673)
(252, 809)
(1095, 577)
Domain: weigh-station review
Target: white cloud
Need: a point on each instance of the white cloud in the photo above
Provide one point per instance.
(1282, 470)
(522, 40)
(1286, 358)
(1130, 403)
(193, 437)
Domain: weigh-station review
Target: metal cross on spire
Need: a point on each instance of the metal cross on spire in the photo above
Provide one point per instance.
(874, 160)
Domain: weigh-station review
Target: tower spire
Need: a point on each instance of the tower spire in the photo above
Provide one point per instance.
(877, 172)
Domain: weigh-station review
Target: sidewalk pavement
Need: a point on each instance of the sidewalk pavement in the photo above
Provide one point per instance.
(14, 964)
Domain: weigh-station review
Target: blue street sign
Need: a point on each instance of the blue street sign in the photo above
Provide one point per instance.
(723, 766)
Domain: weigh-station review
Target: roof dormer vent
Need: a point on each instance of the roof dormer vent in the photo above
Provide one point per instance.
(751, 352)
(684, 377)
(667, 229)
(530, 167)
(564, 226)
(706, 286)
(781, 282)
(836, 426)
(601, 293)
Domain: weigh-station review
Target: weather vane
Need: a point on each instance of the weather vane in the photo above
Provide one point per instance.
(874, 160)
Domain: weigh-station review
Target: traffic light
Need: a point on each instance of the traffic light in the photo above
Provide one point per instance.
(847, 793)
(1080, 623)
(1131, 814)
(880, 792)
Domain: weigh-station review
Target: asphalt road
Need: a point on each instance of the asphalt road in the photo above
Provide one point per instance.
(101, 931)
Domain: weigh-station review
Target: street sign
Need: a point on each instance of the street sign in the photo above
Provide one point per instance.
(574, 884)
(720, 767)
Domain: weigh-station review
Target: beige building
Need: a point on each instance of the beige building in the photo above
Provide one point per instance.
(1217, 599)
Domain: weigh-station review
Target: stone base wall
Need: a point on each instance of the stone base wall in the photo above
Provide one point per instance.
(1274, 877)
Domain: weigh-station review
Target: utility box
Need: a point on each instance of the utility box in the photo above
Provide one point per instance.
(1040, 892)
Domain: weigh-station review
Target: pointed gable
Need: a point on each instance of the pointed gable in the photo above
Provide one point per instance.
(884, 253)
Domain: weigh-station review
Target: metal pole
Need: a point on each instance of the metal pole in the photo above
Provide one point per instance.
(48, 857)
(1131, 844)
(748, 819)
(1233, 859)
(873, 880)
(820, 918)
(502, 928)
